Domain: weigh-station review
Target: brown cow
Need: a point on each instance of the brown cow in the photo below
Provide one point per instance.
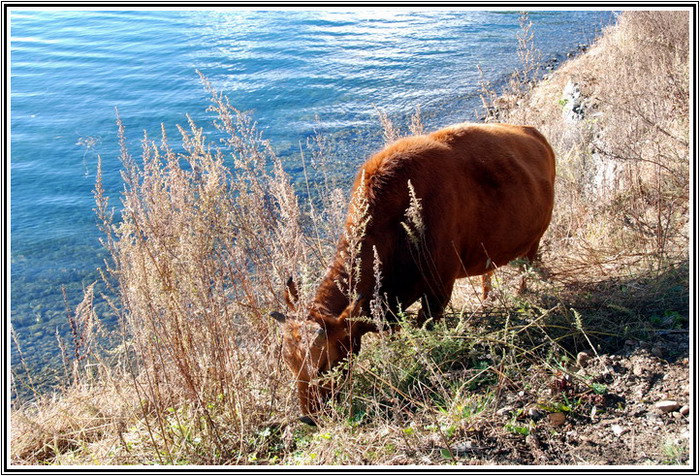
(486, 195)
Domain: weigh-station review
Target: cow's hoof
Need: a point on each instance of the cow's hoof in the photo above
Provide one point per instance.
(308, 420)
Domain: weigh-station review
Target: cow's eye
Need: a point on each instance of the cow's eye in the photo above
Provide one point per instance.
(320, 341)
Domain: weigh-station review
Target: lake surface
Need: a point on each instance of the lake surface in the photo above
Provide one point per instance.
(294, 71)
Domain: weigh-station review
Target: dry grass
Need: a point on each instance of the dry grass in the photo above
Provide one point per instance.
(623, 156)
(205, 240)
(207, 234)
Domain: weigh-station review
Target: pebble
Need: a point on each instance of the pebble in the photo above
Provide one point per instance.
(557, 419)
(667, 406)
(504, 410)
(533, 441)
(617, 429)
(463, 448)
(638, 369)
(582, 358)
(685, 410)
(654, 419)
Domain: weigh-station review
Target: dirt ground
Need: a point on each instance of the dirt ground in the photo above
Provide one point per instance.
(640, 414)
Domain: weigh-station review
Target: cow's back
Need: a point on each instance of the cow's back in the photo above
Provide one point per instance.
(486, 193)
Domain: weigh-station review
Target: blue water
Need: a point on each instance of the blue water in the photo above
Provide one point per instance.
(293, 70)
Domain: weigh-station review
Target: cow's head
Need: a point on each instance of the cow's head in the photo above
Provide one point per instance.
(316, 344)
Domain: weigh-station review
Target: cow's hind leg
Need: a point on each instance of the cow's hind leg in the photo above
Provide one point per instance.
(486, 284)
(526, 266)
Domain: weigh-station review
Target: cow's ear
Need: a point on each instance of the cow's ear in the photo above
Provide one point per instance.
(353, 309)
(278, 316)
(291, 294)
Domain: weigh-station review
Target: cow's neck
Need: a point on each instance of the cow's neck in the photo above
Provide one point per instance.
(329, 296)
